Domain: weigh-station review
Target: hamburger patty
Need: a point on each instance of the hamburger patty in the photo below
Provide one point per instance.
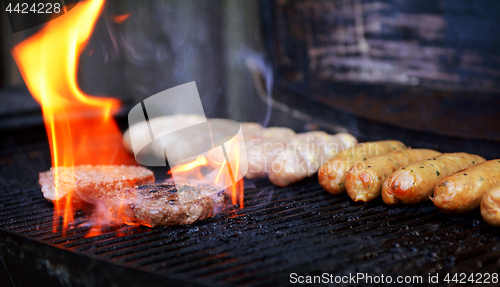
(165, 205)
(129, 193)
(91, 181)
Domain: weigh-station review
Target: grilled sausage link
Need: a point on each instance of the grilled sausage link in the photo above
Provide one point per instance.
(413, 183)
(364, 180)
(305, 154)
(462, 192)
(490, 206)
(259, 157)
(331, 174)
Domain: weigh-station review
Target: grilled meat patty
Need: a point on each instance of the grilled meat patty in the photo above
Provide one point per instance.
(129, 194)
(91, 181)
(165, 205)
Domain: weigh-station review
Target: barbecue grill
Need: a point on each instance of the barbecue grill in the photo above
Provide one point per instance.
(298, 229)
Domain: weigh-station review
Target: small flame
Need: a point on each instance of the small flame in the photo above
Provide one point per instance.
(216, 170)
(234, 163)
(200, 161)
(121, 18)
(75, 122)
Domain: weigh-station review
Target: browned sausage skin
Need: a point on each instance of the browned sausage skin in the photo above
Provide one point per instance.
(413, 183)
(331, 175)
(490, 206)
(462, 192)
(364, 180)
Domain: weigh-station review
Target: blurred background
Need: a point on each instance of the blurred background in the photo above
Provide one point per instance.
(161, 45)
(388, 68)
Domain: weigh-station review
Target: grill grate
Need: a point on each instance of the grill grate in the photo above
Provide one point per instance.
(299, 229)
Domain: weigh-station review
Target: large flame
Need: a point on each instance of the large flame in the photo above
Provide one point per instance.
(80, 127)
(75, 122)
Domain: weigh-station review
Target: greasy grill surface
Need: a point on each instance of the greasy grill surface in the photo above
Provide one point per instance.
(299, 229)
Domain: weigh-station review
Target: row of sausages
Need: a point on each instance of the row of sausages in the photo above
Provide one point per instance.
(454, 182)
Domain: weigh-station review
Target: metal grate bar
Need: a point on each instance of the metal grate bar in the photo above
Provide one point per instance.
(281, 230)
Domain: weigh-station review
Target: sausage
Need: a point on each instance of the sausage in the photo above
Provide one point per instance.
(305, 154)
(490, 206)
(364, 180)
(278, 133)
(260, 153)
(413, 183)
(462, 192)
(259, 157)
(262, 145)
(331, 175)
(251, 131)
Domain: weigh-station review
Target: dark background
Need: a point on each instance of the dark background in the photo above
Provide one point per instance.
(431, 66)
(420, 71)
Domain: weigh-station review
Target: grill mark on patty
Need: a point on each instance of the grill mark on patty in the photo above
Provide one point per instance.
(167, 204)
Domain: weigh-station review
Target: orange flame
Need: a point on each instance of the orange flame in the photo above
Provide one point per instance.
(234, 166)
(121, 18)
(208, 168)
(75, 121)
(200, 161)
(80, 127)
